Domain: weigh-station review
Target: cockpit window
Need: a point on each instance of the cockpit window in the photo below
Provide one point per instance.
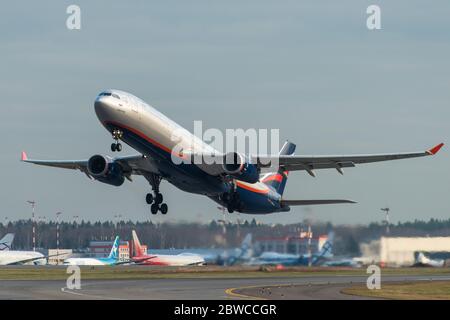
(115, 96)
(105, 94)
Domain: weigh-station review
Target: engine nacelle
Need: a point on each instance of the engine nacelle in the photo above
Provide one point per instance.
(105, 170)
(236, 165)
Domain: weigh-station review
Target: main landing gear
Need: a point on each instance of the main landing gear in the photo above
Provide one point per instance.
(232, 200)
(116, 146)
(155, 199)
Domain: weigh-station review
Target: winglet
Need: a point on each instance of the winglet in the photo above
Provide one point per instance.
(435, 149)
(24, 156)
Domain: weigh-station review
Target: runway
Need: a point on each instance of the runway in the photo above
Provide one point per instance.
(305, 287)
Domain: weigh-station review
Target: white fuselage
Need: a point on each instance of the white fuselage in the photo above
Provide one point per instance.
(135, 115)
(84, 262)
(13, 257)
(178, 260)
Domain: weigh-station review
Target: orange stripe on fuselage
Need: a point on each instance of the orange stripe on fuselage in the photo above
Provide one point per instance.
(249, 187)
(275, 177)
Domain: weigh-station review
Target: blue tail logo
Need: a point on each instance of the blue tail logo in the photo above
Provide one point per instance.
(114, 254)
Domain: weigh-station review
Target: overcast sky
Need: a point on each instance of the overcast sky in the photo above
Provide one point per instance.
(310, 68)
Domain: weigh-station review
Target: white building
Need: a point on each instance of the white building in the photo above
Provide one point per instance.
(401, 251)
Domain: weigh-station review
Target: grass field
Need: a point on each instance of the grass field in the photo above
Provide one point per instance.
(406, 291)
(146, 272)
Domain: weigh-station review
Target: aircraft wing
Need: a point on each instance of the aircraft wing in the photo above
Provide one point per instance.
(133, 164)
(19, 262)
(310, 163)
(312, 202)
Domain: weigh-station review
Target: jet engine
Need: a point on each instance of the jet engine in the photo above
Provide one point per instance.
(105, 170)
(237, 166)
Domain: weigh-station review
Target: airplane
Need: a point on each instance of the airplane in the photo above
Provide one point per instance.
(287, 259)
(139, 256)
(236, 182)
(237, 255)
(218, 256)
(6, 242)
(424, 261)
(14, 257)
(112, 259)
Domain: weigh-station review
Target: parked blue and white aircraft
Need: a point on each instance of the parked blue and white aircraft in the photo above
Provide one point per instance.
(112, 259)
(287, 259)
(236, 182)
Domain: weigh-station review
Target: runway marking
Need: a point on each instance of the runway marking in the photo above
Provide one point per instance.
(67, 290)
(230, 292)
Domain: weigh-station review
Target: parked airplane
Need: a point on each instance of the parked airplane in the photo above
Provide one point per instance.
(12, 257)
(217, 256)
(236, 182)
(287, 259)
(112, 259)
(139, 256)
(6, 242)
(343, 262)
(237, 255)
(424, 261)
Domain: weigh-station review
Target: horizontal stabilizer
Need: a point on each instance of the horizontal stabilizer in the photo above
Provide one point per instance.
(312, 202)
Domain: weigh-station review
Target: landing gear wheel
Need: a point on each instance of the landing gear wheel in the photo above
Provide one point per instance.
(154, 208)
(163, 208)
(149, 198)
(116, 134)
(158, 198)
(230, 208)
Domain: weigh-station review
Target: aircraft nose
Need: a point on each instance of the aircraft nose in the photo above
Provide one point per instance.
(102, 108)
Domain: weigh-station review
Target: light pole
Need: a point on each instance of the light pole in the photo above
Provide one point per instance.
(386, 210)
(57, 236)
(33, 205)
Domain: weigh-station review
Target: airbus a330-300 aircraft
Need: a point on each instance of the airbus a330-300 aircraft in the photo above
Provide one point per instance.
(238, 185)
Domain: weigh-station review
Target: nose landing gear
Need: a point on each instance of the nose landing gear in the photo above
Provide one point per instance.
(116, 146)
(156, 199)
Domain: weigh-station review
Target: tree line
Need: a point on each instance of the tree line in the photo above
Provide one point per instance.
(216, 234)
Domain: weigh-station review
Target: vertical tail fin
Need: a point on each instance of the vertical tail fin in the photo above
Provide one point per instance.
(137, 248)
(277, 180)
(326, 251)
(114, 254)
(6, 242)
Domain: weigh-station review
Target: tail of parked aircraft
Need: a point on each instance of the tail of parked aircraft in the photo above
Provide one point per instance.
(6, 242)
(114, 254)
(278, 179)
(246, 249)
(243, 253)
(327, 249)
(137, 250)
